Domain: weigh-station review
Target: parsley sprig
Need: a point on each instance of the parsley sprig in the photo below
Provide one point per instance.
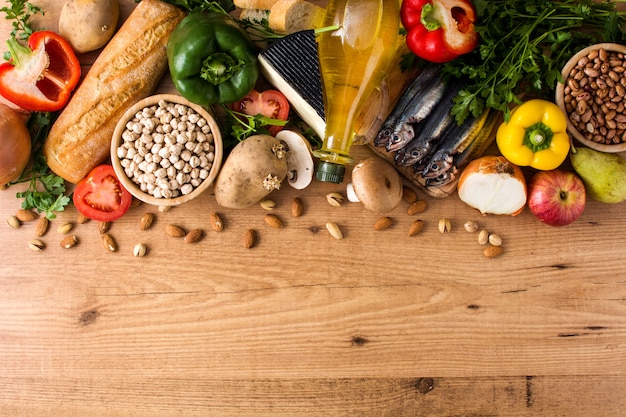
(243, 125)
(46, 191)
(523, 46)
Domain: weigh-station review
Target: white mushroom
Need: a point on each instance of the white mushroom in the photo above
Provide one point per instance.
(299, 159)
(377, 184)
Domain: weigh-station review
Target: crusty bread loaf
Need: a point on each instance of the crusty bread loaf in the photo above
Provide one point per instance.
(287, 16)
(254, 4)
(127, 70)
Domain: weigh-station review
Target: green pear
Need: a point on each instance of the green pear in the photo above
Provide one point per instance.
(604, 174)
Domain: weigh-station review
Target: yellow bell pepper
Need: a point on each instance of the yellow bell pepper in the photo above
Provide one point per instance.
(535, 135)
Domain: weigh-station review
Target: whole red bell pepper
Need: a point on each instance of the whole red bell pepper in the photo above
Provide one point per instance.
(439, 30)
(42, 75)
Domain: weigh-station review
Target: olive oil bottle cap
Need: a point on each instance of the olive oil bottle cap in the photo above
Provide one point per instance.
(330, 172)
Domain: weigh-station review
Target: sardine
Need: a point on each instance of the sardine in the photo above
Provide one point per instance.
(421, 109)
(416, 86)
(430, 130)
(455, 140)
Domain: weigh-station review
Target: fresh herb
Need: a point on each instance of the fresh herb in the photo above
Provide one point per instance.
(46, 191)
(219, 6)
(20, 13)
(243, 125)
(524, 45)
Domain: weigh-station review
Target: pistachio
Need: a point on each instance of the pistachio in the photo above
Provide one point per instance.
(415, 227)
(26, 215)
(483, 237)
(297, 207)
(268, 204)
(417, 207)
(41, 228)
(175, 231)
(36, 245)
(145, 222)
(109, 242)
(444, 225)
(65, 228)
(383, 223)
(216, 222)
(334, 230)
(139, 250)
(163, 209)
(471, 226)
(335, 199)
(250, 239)
(69, 242)
(14, 222)
(495, 240)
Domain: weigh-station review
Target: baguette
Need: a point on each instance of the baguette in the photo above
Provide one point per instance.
(255, 4)
(287, 16)
(127, 70)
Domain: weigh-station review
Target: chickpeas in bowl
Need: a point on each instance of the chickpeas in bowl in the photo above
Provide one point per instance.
(166, 150)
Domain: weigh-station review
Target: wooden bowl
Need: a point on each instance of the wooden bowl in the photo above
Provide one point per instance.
(563, 89)
(134, 186)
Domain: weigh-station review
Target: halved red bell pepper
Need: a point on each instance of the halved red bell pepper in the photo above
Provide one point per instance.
(439, 30)
(42, 75)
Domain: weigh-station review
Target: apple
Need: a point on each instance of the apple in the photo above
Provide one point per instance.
(556, 197)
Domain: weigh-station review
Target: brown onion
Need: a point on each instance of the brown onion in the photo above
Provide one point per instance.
(15, 145)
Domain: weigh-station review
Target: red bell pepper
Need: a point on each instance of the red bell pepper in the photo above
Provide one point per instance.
(42, 75)
(439, 30)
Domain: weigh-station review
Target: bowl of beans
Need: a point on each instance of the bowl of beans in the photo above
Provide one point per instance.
(593, 96)
(166, 150)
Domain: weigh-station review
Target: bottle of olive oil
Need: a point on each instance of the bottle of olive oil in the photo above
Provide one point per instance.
(353, 62)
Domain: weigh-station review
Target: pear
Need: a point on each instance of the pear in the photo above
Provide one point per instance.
(604, 174)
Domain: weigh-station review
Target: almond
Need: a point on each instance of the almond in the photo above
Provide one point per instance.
(175, 231)
(145, 222)
(104, 227)
(273, 220)
(26, 215)
(297, 207)
(69, 242)
(14, 222)
(194, 236)
(383, 223)
(493, 251)
(416, 227)
(82, 219)
(417, 207)
(249, 239)
(42, 226)
(216, 222)
(409, 195)
(109, 242)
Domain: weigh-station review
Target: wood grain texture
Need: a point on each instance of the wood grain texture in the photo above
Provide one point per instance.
(376, 324)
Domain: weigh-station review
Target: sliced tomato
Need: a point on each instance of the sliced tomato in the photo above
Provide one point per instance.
(100, 195)
(269, 103)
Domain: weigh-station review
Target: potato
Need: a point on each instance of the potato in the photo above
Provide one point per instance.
(252, 170)
(88, 24)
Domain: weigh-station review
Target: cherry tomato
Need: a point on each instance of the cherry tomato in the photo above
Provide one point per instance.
(100, 195)
(269, 103)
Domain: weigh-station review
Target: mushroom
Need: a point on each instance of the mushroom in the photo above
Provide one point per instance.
(299, 159)
(376, 184)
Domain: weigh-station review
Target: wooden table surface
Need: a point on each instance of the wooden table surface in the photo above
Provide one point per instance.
(376, 324)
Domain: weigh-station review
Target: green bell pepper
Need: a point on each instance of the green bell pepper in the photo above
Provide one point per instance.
(211, 59)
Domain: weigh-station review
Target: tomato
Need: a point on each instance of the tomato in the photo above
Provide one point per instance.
(269, 103)
(100, 195)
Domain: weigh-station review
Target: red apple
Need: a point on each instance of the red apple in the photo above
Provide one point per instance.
(556, 197)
